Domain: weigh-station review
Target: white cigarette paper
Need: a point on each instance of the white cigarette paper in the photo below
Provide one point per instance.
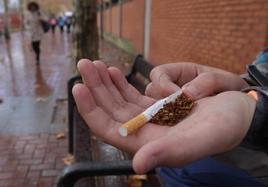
(141, 119)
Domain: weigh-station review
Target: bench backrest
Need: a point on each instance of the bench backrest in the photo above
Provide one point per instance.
(139, 74)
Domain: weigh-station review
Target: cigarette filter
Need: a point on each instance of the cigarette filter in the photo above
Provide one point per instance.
(141, 119)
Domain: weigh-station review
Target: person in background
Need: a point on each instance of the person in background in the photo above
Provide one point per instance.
(34, 26)
(1, 26)
(68, 23)
(61, 23)
(53, 23)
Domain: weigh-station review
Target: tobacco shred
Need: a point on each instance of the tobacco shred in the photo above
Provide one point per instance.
(174, 112)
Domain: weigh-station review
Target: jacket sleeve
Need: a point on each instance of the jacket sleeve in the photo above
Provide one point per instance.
(257, 73)
(257, 77)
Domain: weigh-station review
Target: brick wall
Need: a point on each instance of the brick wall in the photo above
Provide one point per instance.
(222, 33)
(107, 21)
(115, 20)
(132, 28)
(133, 23)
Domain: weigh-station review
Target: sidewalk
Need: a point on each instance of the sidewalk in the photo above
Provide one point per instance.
(33, 110)
(34, 107)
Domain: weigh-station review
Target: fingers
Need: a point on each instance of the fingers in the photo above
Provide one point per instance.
(115, 96)
(168, 78)
(162, 85)
(94, 116)
(203, 85)
(212, 82)
(106, 80)
(93, 81)
(129, 93)
(152, 91)
(197, 81)
(99, 122)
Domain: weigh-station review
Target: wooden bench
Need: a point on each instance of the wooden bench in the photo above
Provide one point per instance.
(93, 157)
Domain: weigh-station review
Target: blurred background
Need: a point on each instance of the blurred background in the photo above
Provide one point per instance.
(227, 34)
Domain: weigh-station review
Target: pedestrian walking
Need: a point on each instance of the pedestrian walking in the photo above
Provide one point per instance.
(61, 23)
(53, 24)
(68, 23)
(34, 25)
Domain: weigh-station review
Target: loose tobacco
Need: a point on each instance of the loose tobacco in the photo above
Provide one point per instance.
(174, 112)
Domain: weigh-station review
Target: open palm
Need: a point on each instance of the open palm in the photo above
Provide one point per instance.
(106, 100)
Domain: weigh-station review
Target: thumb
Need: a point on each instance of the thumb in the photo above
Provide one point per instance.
(158, 153)
(203, 85)
(166, 85)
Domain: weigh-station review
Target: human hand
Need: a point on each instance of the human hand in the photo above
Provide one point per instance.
(106, 100)
(196, 80)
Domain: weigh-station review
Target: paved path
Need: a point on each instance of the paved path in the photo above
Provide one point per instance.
(33, 110)
(34, 107)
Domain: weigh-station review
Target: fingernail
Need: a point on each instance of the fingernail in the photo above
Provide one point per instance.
(191, 91)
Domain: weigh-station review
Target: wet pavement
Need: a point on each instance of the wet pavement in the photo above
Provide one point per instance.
(20, 76)
(34, 107)
(33, 110)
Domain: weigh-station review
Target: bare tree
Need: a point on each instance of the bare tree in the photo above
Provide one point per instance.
(86, 35)
(22, 14)
(6, 20)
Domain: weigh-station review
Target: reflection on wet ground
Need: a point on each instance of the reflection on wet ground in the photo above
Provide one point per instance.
(21, 77)
(30, 92)
(33, 110)
(41, 87)
(34, 107)
(33, 90)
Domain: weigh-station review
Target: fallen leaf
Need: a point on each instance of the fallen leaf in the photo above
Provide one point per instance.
(68, 160)
(64, 119)
(37, 85)
(136, 180)
(139, 177)
(60, 135)
(93, 137)
(39, 99)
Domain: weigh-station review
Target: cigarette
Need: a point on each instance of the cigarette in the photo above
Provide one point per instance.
(140, 120)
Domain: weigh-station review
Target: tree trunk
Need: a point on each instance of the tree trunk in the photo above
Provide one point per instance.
(22, 14)
(6, 20)
(86, 30)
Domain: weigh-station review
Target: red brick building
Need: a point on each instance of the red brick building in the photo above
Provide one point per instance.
(223, 33)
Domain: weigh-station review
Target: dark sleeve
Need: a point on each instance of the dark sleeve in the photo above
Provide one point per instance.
(257, 135)
(257, 75)
(257, 78)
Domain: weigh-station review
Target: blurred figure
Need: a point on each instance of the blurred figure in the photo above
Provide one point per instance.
(34, 23)
(61, 23)
(1, 26)
(68, 23)
(53, 23)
